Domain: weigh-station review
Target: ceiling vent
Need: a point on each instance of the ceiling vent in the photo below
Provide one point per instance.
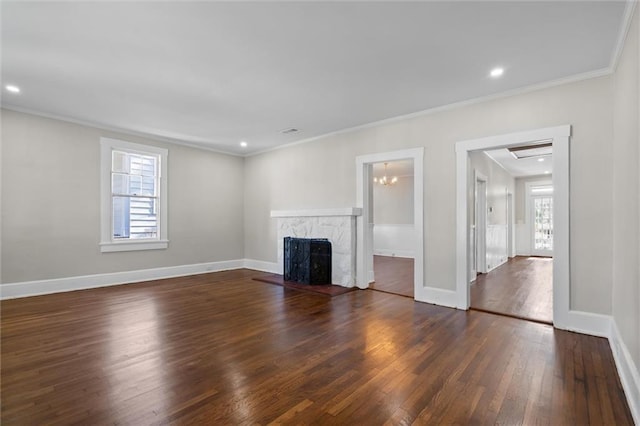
(287, 131)
(529, 151)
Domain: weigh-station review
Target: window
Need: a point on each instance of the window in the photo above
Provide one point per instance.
(133, 196)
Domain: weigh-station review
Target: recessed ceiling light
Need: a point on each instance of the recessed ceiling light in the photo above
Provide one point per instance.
(546, 172)
(497, 72)
(243, 144)
(11, 88)
(541, 159)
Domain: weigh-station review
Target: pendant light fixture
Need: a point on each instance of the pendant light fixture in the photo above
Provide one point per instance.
(384, 180)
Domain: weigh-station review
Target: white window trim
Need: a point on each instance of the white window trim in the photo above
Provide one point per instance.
(107, 244)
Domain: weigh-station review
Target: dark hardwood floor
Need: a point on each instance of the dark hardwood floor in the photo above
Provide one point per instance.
(221, 348)
(393, 275)
(522, 287)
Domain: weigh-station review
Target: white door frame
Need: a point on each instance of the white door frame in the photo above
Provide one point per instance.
(480, 224)
(561, 264)
(363, 191)
(510, 213)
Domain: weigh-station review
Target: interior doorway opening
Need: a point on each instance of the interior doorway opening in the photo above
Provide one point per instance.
(392, 227)
(365, 273)
(503, 283)
(558, 138)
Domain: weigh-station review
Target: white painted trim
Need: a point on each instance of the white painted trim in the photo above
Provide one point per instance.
(133, 245)
(363, 183)
(435, 110)
(587, 323)
(627, 370)
(498, 265)
(349, 211)
(260, 265)
(394, 253)
(622, 37)
(441, 297)
(107, 244)
(121, 131)
(429, 111)
(560, 136)
(480, 244)
(59, 285)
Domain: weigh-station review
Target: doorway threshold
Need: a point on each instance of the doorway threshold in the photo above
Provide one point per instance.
(391, 292)
(502, 314)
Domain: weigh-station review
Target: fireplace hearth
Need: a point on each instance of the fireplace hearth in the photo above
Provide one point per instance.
(307, 260)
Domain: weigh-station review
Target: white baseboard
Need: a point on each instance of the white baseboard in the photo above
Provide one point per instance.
(59, 285)
(498, 265)
(438, 296)
(260, 265)
(627, 371)
(394, 253)
(587, 323)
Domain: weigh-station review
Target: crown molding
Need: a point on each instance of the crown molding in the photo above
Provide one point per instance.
(474, 101)
(624, 33)
(115, 129)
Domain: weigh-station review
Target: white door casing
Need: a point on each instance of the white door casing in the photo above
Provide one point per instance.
(364, 240)
(560, 136)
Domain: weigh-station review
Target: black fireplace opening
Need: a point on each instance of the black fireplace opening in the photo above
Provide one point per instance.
(307, 260)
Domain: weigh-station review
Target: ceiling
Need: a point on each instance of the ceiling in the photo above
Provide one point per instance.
(213, 74)
(522, 167)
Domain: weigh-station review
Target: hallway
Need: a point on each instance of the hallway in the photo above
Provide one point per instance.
(522, 288)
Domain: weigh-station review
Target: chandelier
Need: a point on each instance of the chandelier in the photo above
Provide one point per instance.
(384, 180)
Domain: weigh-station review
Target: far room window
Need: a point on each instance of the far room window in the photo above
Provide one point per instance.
(133, 196)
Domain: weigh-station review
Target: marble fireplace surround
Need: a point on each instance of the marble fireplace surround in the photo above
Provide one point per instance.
(337, 225)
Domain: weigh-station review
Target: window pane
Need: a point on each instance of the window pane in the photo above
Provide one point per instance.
(119, 183)
(134, 218)
(120, 162)
(123, 184)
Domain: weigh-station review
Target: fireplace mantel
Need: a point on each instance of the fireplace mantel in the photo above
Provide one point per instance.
(349, 211)
(336, 225)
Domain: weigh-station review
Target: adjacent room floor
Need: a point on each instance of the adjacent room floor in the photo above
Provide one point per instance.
(221, 348)
(393, 275)
(522, 287)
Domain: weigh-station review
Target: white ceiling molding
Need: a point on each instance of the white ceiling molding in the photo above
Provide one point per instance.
(624, 32)
(114, 129)
(520, 91)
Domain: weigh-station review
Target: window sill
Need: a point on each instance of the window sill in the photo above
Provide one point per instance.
(133, 246)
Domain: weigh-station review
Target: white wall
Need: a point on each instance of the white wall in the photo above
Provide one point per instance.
(393, 204)
(51, 203)
(625, 198)
(586, 105)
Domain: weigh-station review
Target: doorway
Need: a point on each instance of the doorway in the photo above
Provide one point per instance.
(559, 138)
(364, 199)
(541, 219)
(519, 286)
(479, 227)
(392, 228)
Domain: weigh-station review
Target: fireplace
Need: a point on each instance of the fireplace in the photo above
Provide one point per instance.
(336, 225)
(307, 260)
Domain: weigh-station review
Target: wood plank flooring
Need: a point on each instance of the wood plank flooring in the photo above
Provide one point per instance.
(221, 348)
(393, 275)
(522, 287)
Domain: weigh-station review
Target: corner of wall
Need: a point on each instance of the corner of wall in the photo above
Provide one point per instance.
(627, 371)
